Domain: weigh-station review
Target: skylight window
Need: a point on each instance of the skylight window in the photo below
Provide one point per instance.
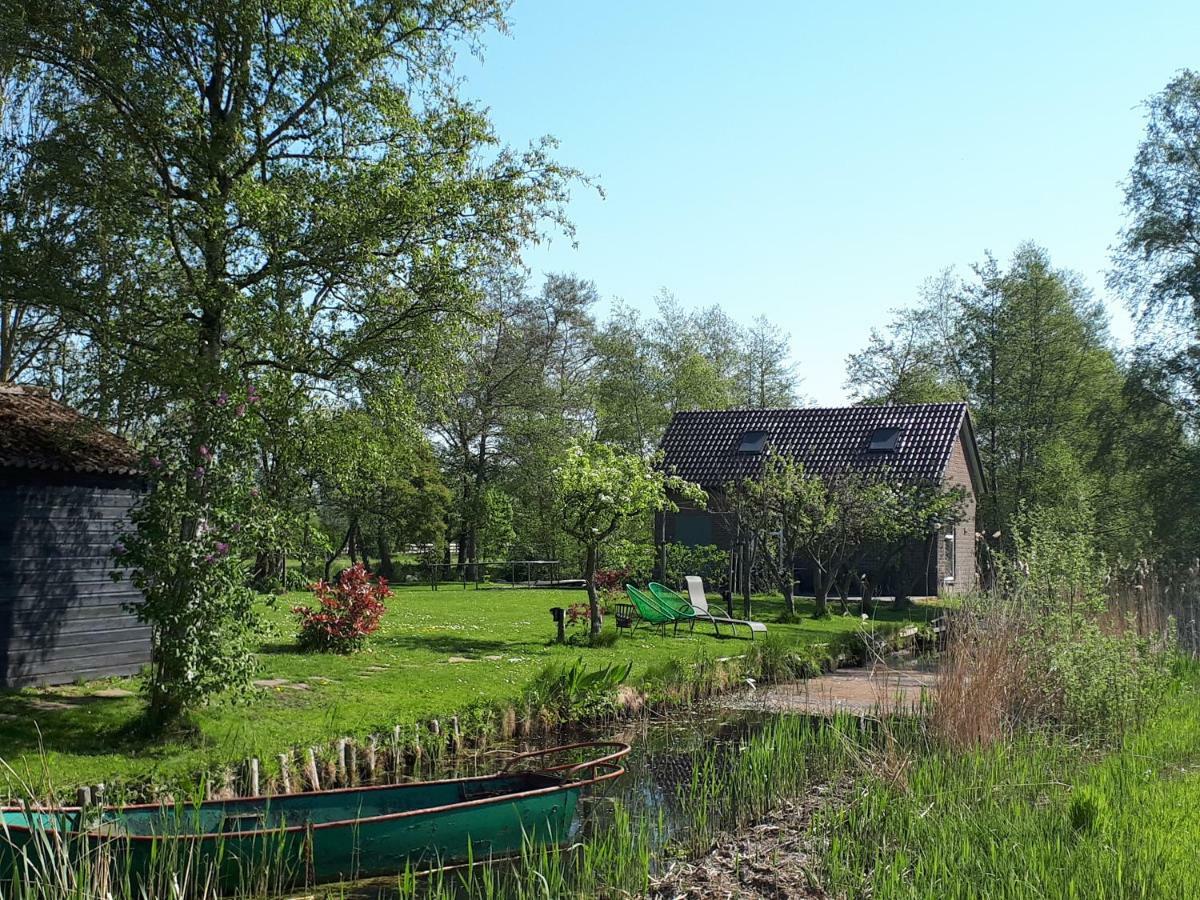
(885, 440)
(753, 442)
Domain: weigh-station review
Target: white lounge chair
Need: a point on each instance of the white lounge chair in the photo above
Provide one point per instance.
(695, 586)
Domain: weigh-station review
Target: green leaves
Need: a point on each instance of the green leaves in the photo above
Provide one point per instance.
(600, 487)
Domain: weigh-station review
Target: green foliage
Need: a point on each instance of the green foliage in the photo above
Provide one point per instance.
(313, 209)
(1110, 825)
(575, 693)
(1091, 678)
(1088, 811)
(1157, 269)
(831, 522)
(1027, 347)
(600, 488)
(776, 659)
(708, 561)
(202, 517)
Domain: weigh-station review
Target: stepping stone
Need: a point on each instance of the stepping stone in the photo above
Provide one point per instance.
(51, 704)
(495, 657)
(459, 659)
(113, 692)
(270, 682)
(298, 686)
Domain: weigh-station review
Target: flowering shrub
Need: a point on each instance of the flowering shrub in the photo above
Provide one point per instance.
(579, 613)
(610, 579)
(348, 612)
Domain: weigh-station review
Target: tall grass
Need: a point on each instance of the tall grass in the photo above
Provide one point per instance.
(1032, 817)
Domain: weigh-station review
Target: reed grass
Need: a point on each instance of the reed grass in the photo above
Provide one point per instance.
(1035, 816)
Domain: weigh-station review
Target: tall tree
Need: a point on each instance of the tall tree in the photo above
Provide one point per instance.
(32, 329)
(1157, 268)
(523, 387)
(323, 198)
(768, 377)
(1027, 346)
(907, 363)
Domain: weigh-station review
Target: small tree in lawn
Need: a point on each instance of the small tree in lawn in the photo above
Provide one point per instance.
(795, 515)
(914, 511)
(599, 489)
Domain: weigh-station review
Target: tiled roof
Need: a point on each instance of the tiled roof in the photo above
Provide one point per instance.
(703, 446)
(37, 432)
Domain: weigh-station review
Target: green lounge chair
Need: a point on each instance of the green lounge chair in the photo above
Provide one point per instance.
(650, 610)
(676, 604)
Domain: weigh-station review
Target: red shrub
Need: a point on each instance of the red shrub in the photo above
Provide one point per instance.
(348, 612)
(579, 612)
(610, 579)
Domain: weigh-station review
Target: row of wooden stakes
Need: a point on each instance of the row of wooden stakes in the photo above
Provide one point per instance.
(375, 761)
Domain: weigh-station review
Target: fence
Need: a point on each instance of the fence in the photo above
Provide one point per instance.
(1160, 600)
(496, 573)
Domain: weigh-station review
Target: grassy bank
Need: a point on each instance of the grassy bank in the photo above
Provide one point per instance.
(437, 653)
(1037, 818)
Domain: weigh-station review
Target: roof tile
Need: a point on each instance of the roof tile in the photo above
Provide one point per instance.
(38, 432)
(702, 446)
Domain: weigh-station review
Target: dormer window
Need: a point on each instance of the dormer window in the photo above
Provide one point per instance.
(753, 442)
(885, 440)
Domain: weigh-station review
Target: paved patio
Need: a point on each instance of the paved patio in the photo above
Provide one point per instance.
(893, 688)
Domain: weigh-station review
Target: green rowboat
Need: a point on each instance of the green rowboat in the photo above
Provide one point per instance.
(323, 835)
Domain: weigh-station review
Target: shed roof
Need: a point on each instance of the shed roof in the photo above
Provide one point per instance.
(703, 446)
(38, 432)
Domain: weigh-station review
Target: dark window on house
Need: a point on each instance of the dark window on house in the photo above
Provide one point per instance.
(753, 442)
(693, 529)
(885, 440)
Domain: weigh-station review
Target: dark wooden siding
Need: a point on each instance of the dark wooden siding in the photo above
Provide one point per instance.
(62, 617)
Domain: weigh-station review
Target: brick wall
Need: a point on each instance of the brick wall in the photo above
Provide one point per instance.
(962, 566)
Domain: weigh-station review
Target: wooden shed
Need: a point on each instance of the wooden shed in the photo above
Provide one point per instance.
(66, 490)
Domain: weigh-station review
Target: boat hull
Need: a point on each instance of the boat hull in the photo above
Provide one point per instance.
(312, 837)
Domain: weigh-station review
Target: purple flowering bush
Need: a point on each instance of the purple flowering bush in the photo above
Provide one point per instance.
(194, 528)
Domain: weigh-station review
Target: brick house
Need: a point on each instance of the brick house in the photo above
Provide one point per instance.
(923, 442)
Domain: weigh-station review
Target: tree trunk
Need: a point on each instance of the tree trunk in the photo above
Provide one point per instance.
(868, 595)
(337, 551)
(362, 546)
(821, 590)
(387, 568)
(268, 572)
(747, 563)
(788, 583)
(843, 586)
(589, 574)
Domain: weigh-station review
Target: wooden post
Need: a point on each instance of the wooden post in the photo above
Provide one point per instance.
(455, 734)
(83, 797)
(98, 792)
(285, 774)
(397, 754)
(314, 779)
(340, 760)
(435, 727)
(372, 750)
(253, 771)
(351, 763)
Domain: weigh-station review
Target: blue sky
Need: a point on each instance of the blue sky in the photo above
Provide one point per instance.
(816, 162)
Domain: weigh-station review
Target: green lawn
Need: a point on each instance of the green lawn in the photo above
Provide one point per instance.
(437, 653)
